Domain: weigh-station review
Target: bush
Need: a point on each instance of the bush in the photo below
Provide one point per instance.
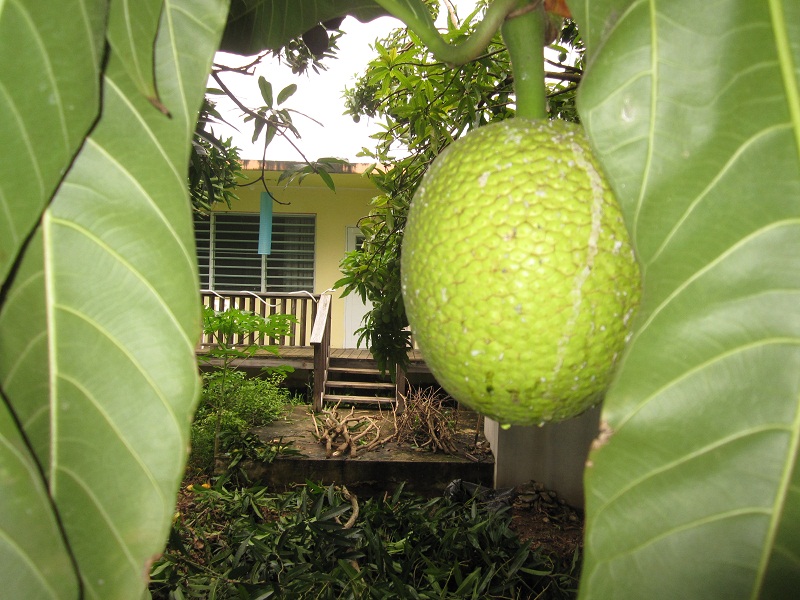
(240, 403)
(320, 543)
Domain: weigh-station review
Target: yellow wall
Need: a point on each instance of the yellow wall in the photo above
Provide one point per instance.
(335, 211)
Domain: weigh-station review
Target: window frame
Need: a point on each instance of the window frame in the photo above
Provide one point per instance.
(207, 252)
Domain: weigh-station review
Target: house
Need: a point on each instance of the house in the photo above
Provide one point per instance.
(312, 229)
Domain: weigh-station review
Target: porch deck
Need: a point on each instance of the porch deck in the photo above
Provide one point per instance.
(307, 347)
(301, 358)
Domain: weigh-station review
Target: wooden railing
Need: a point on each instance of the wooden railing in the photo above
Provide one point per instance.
(321, 341)
(302, 305)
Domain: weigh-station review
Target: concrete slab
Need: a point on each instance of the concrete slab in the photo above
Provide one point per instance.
(380, 470)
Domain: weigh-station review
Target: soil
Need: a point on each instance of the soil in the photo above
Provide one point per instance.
(550, 525)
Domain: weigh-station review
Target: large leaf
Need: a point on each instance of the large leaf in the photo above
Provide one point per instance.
(49, 97)
(97, 331)
(257, 25)
(692, 487)
(132, 27)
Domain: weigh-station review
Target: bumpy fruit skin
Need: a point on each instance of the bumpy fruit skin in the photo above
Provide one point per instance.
(518, 277)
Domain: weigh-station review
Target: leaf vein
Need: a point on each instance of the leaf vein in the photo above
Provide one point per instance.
(137, 457)
(10, 540)
(713, 518)
(717, 444)
(124, 350)
(110, 522)
(726, 168)
(133, 270)
(708, 267)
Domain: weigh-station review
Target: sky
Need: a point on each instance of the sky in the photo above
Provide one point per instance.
(319, 95)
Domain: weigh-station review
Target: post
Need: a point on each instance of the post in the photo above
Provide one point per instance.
(400, 389)
(321, 341)
(553, 454)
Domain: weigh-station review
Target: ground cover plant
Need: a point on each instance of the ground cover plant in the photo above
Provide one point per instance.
(322, 542)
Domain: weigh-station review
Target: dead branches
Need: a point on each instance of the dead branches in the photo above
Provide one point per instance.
(427, 422)
(343, 434)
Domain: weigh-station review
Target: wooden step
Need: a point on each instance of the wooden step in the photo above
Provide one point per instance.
(359, 384)
(360, 371)
(353, 363)
(333, 398)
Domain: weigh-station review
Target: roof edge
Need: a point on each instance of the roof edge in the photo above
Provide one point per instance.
(281, 165)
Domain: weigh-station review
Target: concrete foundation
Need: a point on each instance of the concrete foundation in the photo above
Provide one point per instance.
(553, 454)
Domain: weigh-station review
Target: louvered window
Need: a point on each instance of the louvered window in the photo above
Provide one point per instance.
(227, 251)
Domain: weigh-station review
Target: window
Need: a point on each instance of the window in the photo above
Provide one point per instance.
(227, 253)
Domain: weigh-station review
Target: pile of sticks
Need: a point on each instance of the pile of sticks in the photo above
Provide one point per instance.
(342, 434)
(427, 422)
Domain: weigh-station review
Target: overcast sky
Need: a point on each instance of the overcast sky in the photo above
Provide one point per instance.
(318, 95)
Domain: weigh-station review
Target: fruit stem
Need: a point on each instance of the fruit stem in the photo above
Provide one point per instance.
(523, 33)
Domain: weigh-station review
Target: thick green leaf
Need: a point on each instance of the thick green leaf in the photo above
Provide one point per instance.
(132, 26)
(266, 91)
(49, 97)
(692, 487)
(257, 25)
(33, 557)
(97, 333)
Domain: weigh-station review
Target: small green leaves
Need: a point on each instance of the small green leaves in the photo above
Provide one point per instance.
(297, 545)
(269, 117)
(266, 91)
(286, 93)
(322, 167)
(234, 329)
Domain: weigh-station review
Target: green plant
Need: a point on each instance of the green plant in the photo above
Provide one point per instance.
(230, 400)
(427, 104)
(231, 405)
(321, 542)
(214, 166)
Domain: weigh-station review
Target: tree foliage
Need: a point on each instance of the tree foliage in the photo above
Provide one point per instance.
(215, 166)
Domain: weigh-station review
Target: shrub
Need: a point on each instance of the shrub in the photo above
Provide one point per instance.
(240, 404)
(245, 543)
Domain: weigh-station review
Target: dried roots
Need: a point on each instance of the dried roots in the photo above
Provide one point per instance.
(343, 434)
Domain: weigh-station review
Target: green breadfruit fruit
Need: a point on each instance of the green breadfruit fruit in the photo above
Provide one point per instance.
(518, 276)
